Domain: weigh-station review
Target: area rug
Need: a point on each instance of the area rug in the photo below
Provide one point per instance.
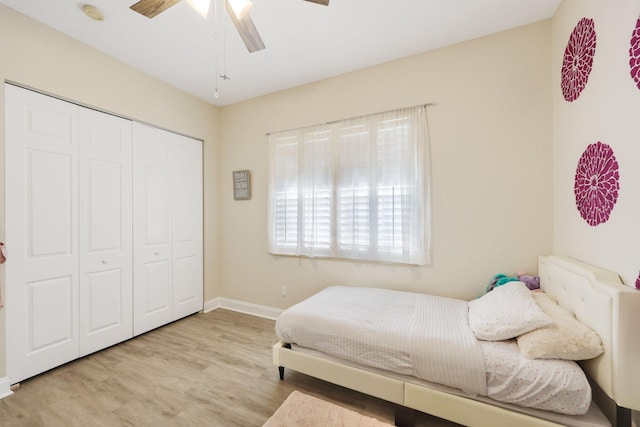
(302, 410)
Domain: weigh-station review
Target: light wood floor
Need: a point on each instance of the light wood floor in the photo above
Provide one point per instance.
(210, 369)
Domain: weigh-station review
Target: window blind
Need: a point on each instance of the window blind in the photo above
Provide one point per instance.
(352, 189)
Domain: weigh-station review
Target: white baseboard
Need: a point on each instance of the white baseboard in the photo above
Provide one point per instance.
(242, 307)
(5, 388)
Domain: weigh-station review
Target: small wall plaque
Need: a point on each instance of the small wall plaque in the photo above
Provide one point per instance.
(242, 185)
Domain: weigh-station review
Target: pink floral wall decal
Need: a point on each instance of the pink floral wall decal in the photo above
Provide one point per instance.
(596, 183)
(634, 54)
(638, 282)
(578, 59)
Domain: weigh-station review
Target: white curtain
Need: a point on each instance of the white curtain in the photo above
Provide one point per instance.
(355, 189)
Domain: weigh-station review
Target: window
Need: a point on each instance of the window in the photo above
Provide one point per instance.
(352, 189)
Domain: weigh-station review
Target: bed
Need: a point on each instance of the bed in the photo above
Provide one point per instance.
(596, 297)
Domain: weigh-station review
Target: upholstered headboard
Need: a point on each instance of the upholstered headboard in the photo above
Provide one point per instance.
(599, 299)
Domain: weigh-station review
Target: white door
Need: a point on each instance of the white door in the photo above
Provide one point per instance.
(187, 226)
(106, 226)
(41, 190)
(152, 201)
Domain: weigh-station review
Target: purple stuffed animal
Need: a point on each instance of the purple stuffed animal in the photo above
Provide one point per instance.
(532, 282)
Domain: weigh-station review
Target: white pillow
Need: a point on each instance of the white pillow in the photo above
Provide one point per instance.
(505, 312)
(566, 338)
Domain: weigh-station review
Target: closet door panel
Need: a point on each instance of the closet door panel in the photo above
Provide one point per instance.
(158, 287)
(50, 313)
(105, 205)
(41, 187)
(157, 210)
(152, 153)
(49, 202)
(187, 227)
(104, 299)
(106, 221)
(187, 289)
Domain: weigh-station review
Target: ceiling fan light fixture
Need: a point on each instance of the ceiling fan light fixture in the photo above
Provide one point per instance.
(200, 6)
(240, 7)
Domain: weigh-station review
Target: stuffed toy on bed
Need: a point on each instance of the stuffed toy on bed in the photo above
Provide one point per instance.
(532, 282)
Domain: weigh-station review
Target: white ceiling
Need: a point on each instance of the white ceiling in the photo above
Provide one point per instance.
(305, 42)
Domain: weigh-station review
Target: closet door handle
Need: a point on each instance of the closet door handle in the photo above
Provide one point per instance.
(157, 252)
(104, 261)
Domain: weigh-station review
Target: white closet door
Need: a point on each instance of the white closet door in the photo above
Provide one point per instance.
(41, 189)
(187, 227)
(106, 226)
(152, 201)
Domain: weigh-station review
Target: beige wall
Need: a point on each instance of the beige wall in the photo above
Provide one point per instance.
(34, 55)
(606, 111)
(491, 145)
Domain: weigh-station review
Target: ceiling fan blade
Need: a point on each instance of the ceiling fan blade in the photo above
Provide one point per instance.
(322, 2)
(246, 29)
(151, 8)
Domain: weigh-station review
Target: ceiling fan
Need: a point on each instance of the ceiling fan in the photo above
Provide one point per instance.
(238, 11)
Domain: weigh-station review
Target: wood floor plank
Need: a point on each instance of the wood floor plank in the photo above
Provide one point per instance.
(210, 369)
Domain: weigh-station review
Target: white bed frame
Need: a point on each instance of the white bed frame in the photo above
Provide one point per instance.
(597, 298)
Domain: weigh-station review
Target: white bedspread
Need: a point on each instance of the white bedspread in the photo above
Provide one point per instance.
(424, 336)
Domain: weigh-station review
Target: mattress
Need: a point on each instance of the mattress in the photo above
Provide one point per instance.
(382, 329)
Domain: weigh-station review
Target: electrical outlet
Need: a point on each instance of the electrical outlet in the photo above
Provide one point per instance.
(283, 291)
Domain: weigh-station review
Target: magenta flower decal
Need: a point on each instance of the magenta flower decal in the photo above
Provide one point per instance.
(578, 59)
(638, 282)
(597, 183)
(634, 54)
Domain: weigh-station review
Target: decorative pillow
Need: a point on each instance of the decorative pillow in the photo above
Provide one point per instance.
(505, 312)
(566, 338)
